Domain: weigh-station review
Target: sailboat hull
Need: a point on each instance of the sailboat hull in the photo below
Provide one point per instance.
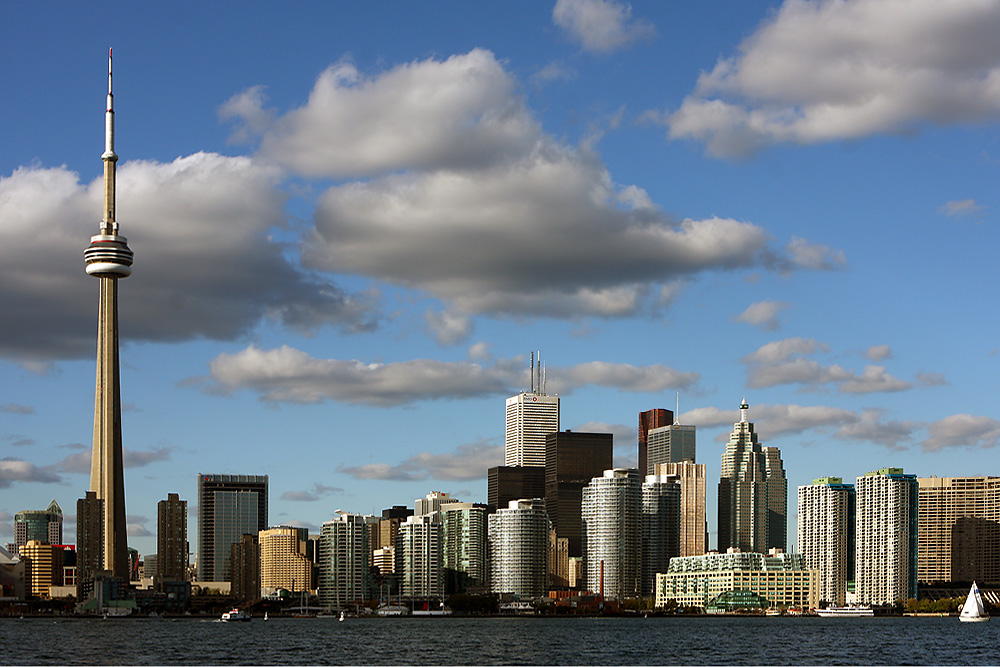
(973, 619)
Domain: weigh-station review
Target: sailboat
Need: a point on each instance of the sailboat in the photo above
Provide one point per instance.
(973, 609)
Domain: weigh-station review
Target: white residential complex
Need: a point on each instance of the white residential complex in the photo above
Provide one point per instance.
(530, 417)
(422, 556)
(886, 554)
(826, 535)
(343, 559)
(519, 548)
(612, 534)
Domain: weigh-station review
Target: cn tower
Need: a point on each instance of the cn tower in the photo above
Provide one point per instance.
(109, 258)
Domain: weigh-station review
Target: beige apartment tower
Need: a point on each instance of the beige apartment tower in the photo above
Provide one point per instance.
(959, 530)
(283, 561)
(693, 480)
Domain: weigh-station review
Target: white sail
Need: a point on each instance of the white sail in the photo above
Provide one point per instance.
(973, 609)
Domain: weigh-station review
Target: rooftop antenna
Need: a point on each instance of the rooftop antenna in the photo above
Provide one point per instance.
(677, 412)
(544, 378)
(539, 362)
(532, 367)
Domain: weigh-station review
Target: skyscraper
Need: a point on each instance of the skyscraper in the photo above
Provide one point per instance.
(886, 528)
(243, 559)
(612, 533)
(45, 526)
(827, 535)
(752, 492)
(171, 539)
(344, 575)
(432, 502)
(420, 542)
(229, 506)
(661, 527)
(89, 541)
(519, 548)
(507, 483)
(572, 459)
(531, 415)
(109, 258)
(692, 478)
(283, 560)
(959, 529)
(669, 444)
(464, 546)
(648, 420)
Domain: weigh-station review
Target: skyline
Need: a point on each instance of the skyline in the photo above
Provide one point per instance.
(356, 224)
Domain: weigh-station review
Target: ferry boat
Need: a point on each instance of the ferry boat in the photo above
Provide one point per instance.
(235, 614)
(844, 612)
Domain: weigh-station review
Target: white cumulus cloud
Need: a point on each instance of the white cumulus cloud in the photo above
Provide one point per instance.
(601, 25)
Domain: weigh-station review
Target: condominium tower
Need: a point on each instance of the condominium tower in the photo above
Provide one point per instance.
(886, 553)
(344, 575)
(464, 546)
(612, 533)
(519, 548)
(171, 539)
(959, 529)
(109, 259)
(283, 561)
(421, 554)
(752, 492)
(661, 527)
(827, 535)
(229, 506)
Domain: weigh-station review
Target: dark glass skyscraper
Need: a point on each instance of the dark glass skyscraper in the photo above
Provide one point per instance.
(229, 506)
(571, 460)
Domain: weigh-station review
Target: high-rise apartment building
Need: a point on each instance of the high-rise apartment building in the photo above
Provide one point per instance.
(229, 506)
(283, 560)
(45, 526)
(669, 444)
(507, 483)
(692, 479)
(171, 539)
(344, 575)
(648, 420)
(244, 568)
(572, 459)
(886, 529)
(827, 524)
(753, 492)
(519, 547)
(661, 527)
(89, 540)
(530, 417)
(959, 530)
(612, 534)
(421, 548)
(464, 546)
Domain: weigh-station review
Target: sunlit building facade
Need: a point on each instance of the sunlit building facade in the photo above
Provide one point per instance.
(958, 539)
(827, 535)
(530, 416)
(519, 548)
(886, 528)
(612, 534)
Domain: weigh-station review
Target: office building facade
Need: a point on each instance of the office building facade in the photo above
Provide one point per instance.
(530, 417)
(283, 561)
(886, 534)
(519, 548)
(649, 420)
(669, 444)
(244, 568)
(827, 524)
(229, 506)
(612, 534)
(958, 539)
(753, 493)
(572, 459)
(507, 483)
(693, 481)
(45, 526)
(89, 540)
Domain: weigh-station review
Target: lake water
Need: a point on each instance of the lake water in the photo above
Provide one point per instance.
(507, 641)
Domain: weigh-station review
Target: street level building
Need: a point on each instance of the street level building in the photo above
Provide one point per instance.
(572, 459)
(959, 530)
(612, 534)
(692, 479)
(827, 525)
(109, 259)
(695, 581)
(753, 492)
(518, 547)
(283, 561)
(886, 529)
(229, 506)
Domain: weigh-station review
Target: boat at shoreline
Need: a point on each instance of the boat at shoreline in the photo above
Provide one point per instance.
(845, 612)
(235, 614)
(973, 610)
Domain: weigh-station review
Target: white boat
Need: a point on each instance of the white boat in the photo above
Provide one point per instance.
(845, 612)
(343, 615)
(972, 610)
(235, 614)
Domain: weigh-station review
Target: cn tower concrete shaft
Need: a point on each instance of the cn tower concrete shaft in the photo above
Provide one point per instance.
(109, 258)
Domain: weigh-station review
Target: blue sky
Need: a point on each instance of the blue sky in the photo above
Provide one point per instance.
(353, 222)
